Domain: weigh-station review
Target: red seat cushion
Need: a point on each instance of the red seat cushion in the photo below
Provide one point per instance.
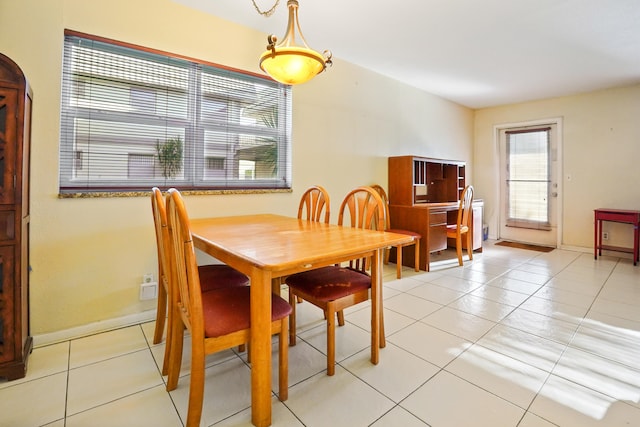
(227, 310)
(220, 276)
(330, 283)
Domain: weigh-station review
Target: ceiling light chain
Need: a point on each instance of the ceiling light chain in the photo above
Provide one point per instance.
(267, 13)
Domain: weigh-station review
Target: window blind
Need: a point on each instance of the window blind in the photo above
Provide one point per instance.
(133, 118)
(528, 181)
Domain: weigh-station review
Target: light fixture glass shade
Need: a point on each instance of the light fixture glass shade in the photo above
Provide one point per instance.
(289, 63)
(292, 65)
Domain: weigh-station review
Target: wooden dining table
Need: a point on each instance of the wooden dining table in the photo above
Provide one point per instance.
(266, 247)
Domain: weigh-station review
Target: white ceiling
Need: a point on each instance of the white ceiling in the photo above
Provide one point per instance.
(477, 53)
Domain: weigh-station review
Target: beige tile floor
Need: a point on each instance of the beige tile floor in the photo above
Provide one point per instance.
(514, 338)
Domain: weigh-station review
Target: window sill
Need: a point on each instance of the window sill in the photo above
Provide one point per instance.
(113, 194)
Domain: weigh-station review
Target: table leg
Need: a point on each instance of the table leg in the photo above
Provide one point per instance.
(376, 304)
(636, 230)
(600, 237)
(260, 348)
(595, 236)
(276, 285)
(427, 256)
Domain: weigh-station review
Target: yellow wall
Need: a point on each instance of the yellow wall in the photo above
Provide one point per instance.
(88, 255)
(601, 152)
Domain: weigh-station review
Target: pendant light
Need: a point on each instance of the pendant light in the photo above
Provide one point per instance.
(289, 63)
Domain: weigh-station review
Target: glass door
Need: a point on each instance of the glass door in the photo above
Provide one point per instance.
(528, 184)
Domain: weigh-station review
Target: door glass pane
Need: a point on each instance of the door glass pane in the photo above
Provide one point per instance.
(528, 178)
(3, 131)
(3, 116)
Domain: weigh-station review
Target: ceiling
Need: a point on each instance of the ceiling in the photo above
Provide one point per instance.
(477, 53)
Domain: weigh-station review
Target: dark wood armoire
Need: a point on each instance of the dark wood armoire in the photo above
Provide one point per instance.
(15, 132)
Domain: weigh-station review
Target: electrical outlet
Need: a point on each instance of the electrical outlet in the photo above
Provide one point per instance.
(147, 278)
(148, 291)
(605, 235)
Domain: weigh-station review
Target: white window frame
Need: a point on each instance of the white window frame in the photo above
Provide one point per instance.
(116, 129)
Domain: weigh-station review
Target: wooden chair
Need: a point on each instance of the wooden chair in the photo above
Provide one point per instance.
(415, 242)
(335, 288)
(315, 205)
(211, 276)
(217, 320)
(463, 224)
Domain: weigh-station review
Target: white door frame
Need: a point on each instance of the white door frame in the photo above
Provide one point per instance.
(557, 121)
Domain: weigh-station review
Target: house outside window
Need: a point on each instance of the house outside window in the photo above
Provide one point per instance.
(134, 118)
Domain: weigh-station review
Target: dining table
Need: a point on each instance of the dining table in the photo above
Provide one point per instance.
(267, 247)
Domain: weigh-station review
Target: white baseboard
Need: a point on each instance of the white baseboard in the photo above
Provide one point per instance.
(93, 328)
(576, 248)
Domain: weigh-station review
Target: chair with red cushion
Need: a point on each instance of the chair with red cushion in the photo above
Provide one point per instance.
(211, 276)
(315, 205)
(217, 320)
(415, 242)
(335, 288)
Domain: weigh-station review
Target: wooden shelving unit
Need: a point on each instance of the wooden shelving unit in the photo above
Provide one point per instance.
(414, 180)
(424, 194)
(15, 125)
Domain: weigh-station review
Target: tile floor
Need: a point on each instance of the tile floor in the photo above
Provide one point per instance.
(514, 338)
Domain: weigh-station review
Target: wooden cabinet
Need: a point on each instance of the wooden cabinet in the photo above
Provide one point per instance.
(424, 195)
(15, 125)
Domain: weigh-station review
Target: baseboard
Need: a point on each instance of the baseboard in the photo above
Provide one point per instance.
(93, 328)
(576, 248)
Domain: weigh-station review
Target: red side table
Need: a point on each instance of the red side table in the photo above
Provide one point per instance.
(616, 215)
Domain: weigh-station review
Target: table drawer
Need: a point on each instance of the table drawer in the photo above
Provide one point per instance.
(617, 217)
(438, 238)
(438, 218)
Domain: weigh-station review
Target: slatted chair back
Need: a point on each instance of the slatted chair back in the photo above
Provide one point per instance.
(415, 242)
(315, 205)
(464, 211)
(184, 267)
(362, 208)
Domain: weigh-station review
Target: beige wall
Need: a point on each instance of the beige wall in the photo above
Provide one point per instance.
(88, 255)
(601, 152)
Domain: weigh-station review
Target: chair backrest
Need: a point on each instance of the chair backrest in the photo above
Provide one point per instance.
(159, 211)
(184, 268)
(464, 210)
(385, 199)
(313, 204)
(362, 208)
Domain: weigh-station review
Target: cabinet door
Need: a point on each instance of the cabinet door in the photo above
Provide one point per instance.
(8, 138)
(7, 320)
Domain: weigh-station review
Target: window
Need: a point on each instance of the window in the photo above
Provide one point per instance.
(135, 118)
(215, 163)
(528, 181)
